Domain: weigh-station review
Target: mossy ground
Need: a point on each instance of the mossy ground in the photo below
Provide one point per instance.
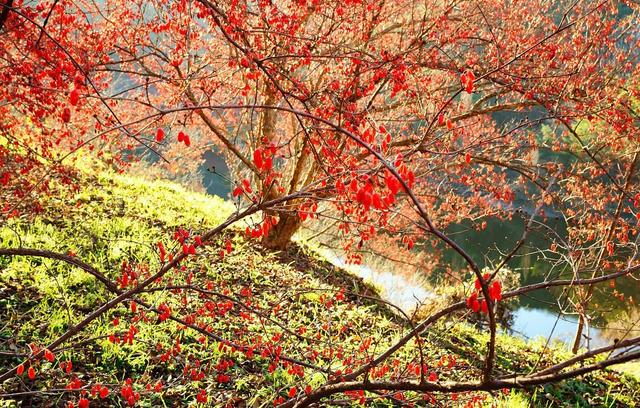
(114, 219)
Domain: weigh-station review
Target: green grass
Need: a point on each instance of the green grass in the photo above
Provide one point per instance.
(114, 219)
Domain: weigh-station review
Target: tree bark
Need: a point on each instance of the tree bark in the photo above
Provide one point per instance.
(280, 234)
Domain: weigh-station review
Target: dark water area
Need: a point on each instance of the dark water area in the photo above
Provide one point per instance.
(539, 313)
(215, 174)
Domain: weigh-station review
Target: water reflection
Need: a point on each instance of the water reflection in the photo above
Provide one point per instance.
(532, 323)
(402, 292)
(535, 316)
(537, 312)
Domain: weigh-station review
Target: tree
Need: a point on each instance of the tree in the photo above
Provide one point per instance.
(382, 116)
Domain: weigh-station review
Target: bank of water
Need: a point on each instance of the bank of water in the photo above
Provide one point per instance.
(535, 315)
(540, 313)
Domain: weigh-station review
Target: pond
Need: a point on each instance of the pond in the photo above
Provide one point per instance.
(539, 313)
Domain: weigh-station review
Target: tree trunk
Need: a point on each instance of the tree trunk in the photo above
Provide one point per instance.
(280, 234)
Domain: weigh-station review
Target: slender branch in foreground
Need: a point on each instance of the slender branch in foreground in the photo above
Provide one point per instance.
(450, 387)
(461, 305)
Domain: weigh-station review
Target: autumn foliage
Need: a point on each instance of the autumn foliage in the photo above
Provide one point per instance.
(380, 123)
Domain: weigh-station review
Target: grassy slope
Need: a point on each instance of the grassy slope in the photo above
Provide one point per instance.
(115, 218)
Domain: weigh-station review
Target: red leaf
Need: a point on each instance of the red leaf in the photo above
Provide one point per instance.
(495, 291)
(202, 396)
(257, 158)
(471, 299)
(366, 200)
(377, 202)
(162, 251)
(392, 183)
(411, 178)
(469, 87)
(353, 186)
(268, 163)
(4, 179)
(74, 97)
(246, 185)
(471, 76)
(159, 135)
(66, 115)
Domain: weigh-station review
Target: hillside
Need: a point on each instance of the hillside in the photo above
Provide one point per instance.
(312, 311)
